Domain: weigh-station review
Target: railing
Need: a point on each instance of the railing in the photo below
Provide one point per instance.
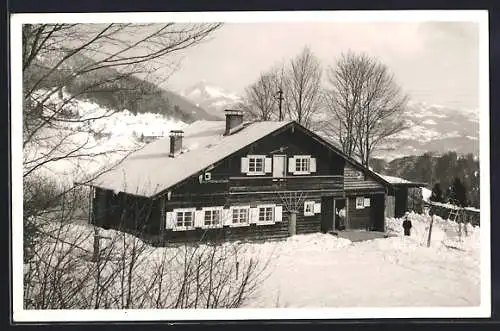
(291, 183)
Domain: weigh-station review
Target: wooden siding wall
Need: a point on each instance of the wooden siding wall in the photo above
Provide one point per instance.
(127, 212)
(291, 143)
(358, 218)
(367, 218)
(401, 201)
(355, 180)
(389, 206)
(305, 224)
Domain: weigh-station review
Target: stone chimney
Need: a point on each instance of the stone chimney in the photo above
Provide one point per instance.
(175, 142)
(234, 121)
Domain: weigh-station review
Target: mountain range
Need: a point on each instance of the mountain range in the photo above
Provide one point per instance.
(430, 127)
(434, 128)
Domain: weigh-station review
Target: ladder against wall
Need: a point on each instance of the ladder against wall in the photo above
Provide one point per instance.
(456, 230)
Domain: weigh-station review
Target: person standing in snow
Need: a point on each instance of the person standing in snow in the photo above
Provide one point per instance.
(342, 219)
(407, 224)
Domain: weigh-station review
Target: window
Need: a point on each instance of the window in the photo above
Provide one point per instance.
(212, 217)
(360, 202)
(308, 208)
(256, 164)
(208, 176)
(367, 202)
(185, 219)
(302, 164)
(266, 214)
(240, 215)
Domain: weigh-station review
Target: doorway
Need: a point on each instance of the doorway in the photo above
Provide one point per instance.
(340, 214)
(378, 211)
(327, 214)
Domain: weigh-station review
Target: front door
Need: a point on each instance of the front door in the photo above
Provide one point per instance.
(340, 214)
(279, 166)
(327, 214)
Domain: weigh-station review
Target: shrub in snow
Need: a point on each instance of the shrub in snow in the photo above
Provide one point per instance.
(128, 273)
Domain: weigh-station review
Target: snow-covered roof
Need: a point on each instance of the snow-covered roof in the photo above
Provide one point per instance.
(451, 206)
(151, 170)
(394, 180)
(399, 181)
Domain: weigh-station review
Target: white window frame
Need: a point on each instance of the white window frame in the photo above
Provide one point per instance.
(255, 158)
(272, 221)
(212, 210)
(298, 160)
(360, 202)
(367, 202)
(309, 204)
(184, 211)
(207, 176)
(240, 208)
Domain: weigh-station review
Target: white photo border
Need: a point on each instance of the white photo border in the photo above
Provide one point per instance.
(22, 315)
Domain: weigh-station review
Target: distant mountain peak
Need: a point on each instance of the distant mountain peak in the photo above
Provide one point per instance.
(212, 98)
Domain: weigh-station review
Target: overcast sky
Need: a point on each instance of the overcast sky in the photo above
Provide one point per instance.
(435, 62)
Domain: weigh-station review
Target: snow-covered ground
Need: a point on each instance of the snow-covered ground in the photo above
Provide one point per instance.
(322, 270)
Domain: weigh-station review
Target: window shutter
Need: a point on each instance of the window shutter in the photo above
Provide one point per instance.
(170, 220)
(317, 208)
(268, 165)
(278, 214)
(244, 165)
(305, 207)
(253, 215)
(312, 164)
(291, 164)
(227, 216)
(199, 218)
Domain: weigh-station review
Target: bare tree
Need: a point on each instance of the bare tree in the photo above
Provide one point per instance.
(294, 86)
(83, 58)
(302, 87)
(365, 104)
(261, 99)
(62, 63)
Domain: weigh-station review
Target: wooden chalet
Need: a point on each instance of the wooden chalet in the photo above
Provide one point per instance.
(237, 180)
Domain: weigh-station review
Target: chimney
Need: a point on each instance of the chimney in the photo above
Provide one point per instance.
(175, 142)
(234, 121)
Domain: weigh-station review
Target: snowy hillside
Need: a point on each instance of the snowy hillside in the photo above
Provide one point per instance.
(210, 97)
(102, 137)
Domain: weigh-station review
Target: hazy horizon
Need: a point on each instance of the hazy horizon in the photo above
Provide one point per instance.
(435, 62)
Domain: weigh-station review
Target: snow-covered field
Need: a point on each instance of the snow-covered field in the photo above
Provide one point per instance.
(322, 270)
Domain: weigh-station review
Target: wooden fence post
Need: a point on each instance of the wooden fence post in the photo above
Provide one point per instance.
(430, 232)
(292, 224)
